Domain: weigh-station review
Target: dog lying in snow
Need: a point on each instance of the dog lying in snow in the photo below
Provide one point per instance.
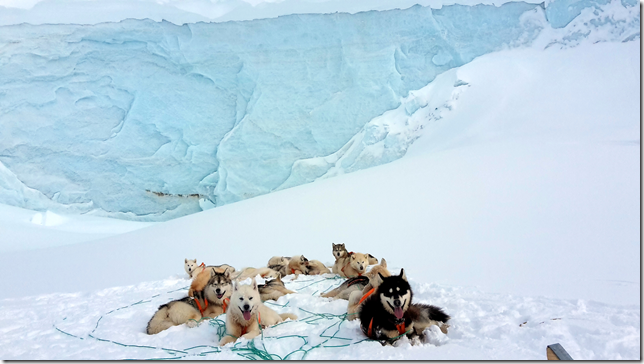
(193, 269)
(210, 301)
(389, 313)
(358, 284)
(247, 312)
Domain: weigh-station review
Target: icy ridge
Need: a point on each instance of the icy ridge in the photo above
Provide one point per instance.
(150, 121)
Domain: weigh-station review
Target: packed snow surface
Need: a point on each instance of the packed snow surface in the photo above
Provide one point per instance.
(148, 120)
(516, 210)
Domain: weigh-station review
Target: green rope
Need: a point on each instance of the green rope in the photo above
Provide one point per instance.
(250, 350)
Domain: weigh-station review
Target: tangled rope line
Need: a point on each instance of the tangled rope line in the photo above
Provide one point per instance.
(249, 349)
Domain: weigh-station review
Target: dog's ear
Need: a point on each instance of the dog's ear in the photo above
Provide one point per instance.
(402, 274)
(383, 263)
(227, 273)
(234, 283)
(186, 260)
(254, 285)
(212, 272)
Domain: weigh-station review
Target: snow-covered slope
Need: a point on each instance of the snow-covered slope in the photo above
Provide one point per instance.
(150, 121)
(518, 203)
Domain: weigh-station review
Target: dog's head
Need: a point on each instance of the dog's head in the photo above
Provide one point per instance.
(245, 300)
(359, 262)
(395, 294)
(270, 273)
(339, 250)
(190, 265)
(219, 286)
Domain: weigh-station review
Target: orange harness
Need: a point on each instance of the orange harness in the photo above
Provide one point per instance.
(226, 301)
(400, 327)
(292, 271)
(359, 274)
(205, 302)
(245, 328)
(366, 295)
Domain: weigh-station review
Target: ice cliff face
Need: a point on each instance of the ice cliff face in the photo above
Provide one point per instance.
(150, 121)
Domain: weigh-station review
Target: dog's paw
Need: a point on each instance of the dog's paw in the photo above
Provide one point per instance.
(192, 323)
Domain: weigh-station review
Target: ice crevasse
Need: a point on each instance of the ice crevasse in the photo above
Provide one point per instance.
(149, 121)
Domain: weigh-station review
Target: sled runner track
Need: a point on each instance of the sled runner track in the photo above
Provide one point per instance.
(249, 349)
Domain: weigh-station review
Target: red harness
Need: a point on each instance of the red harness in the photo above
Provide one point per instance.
(226, 301)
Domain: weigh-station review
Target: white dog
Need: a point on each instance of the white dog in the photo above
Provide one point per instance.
(247, 312)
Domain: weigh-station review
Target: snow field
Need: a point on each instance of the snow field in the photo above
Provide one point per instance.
(110, 324)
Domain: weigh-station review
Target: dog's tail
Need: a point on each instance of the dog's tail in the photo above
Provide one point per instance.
(285, 316)
(158, 322)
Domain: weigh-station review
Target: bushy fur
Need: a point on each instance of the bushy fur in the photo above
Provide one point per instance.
(263, 272)
(193, 269)
(340, 251)
(351, 265)
(273, 289)
(245, 305)
(375, 279)
(279, 264)
(173, 313)
(297, 265)
(359, 284)
(315, 267)
(391, 305)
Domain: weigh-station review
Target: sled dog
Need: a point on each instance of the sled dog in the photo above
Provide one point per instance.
(273, 289)
(247, 312)
(203, 278)
(279, 264)
(211, 301)
(351, 265)
(339, 250)
(389, 312)
(193, 269)
(315, 267)
(252, 272)
(357, 297)
(359, 284)
(297, 265)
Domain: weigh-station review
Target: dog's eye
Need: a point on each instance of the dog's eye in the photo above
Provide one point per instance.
(251, 298)
(241, 298)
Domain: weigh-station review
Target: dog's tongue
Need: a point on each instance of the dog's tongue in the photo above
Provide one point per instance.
(246, 315)
(398, 312)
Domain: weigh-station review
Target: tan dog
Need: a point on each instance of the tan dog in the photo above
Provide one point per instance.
(358, 284)
(252, 272)
(351, 265)
(297, 265)
(193, 269)
(315, 267)
(340, 252)
(273, 289)
(279, 264)
(247, 312)
(211, 300)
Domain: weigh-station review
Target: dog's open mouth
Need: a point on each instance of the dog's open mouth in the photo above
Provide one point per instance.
(398, 311)
(246, 315)
(220, 295)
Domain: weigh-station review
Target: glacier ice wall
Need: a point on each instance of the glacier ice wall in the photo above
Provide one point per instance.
(149, 120)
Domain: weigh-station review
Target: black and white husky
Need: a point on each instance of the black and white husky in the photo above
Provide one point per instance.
(389, 313)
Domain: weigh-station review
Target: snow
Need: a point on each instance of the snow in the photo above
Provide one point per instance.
(516, 209)
(149, 121)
